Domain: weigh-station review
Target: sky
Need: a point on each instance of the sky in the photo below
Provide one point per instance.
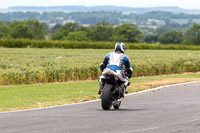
(187, 4)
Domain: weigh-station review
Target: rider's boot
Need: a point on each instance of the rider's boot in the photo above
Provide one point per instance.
(126, 91)
(126, 85)
(101, 88)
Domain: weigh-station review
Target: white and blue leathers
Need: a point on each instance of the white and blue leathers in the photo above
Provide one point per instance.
(113, 64)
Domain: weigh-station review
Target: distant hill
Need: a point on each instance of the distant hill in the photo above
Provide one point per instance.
(176, 10)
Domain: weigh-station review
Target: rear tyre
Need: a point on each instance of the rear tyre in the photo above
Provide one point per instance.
(106, 101)
(117, 106)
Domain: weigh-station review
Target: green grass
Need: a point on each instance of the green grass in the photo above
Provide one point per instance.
(180, 21)
(149, 79)
(27, 96)
(184, 21)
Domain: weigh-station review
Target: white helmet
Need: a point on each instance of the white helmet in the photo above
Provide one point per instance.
(120, 46)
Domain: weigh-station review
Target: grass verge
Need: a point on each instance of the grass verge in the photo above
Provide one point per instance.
(45, 95)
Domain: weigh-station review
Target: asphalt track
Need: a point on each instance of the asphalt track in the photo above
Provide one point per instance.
(174, 109)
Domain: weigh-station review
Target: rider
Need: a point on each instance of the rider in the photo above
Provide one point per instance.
(113, 63)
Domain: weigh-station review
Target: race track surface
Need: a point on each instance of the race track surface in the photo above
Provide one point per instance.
(173, 109)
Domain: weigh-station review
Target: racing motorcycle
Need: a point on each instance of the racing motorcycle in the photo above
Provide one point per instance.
(113, 91)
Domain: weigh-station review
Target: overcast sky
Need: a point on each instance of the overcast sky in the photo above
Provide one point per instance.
(187, 4)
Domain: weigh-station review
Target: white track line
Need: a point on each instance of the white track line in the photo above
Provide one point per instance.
(144, 91)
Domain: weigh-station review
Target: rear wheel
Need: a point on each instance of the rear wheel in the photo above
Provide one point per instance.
(106, 101)
(117, 106)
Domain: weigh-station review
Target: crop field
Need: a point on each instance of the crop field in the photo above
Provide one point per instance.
(32, 65)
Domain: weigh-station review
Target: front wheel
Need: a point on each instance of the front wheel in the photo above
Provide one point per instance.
(106, 101)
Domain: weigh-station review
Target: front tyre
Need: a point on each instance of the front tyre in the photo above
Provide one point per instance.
(106, 101)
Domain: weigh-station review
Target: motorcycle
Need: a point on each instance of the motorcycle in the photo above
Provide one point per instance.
(113, 92)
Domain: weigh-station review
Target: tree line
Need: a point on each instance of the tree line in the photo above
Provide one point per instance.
(167, 35)
(102, 31)
(30, 29)
(33, 29)
(96, 16)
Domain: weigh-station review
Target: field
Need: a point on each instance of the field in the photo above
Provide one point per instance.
(29, 65)
(184, 21)
(22, 97)
(35, 66)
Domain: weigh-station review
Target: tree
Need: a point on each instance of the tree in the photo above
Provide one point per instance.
(20, 30)
(77, 36)
(64, 30)
(162, 29)
(151, 39)
(31, 29)
(193, 35)
(56, 28)
(175, 26)
(171, 37)
(127, 33)
(4, 30)
(38, 29)
(59, 35)
(70, 27)
(101, 31)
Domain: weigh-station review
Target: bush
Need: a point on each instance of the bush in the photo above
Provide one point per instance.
(23, 43)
